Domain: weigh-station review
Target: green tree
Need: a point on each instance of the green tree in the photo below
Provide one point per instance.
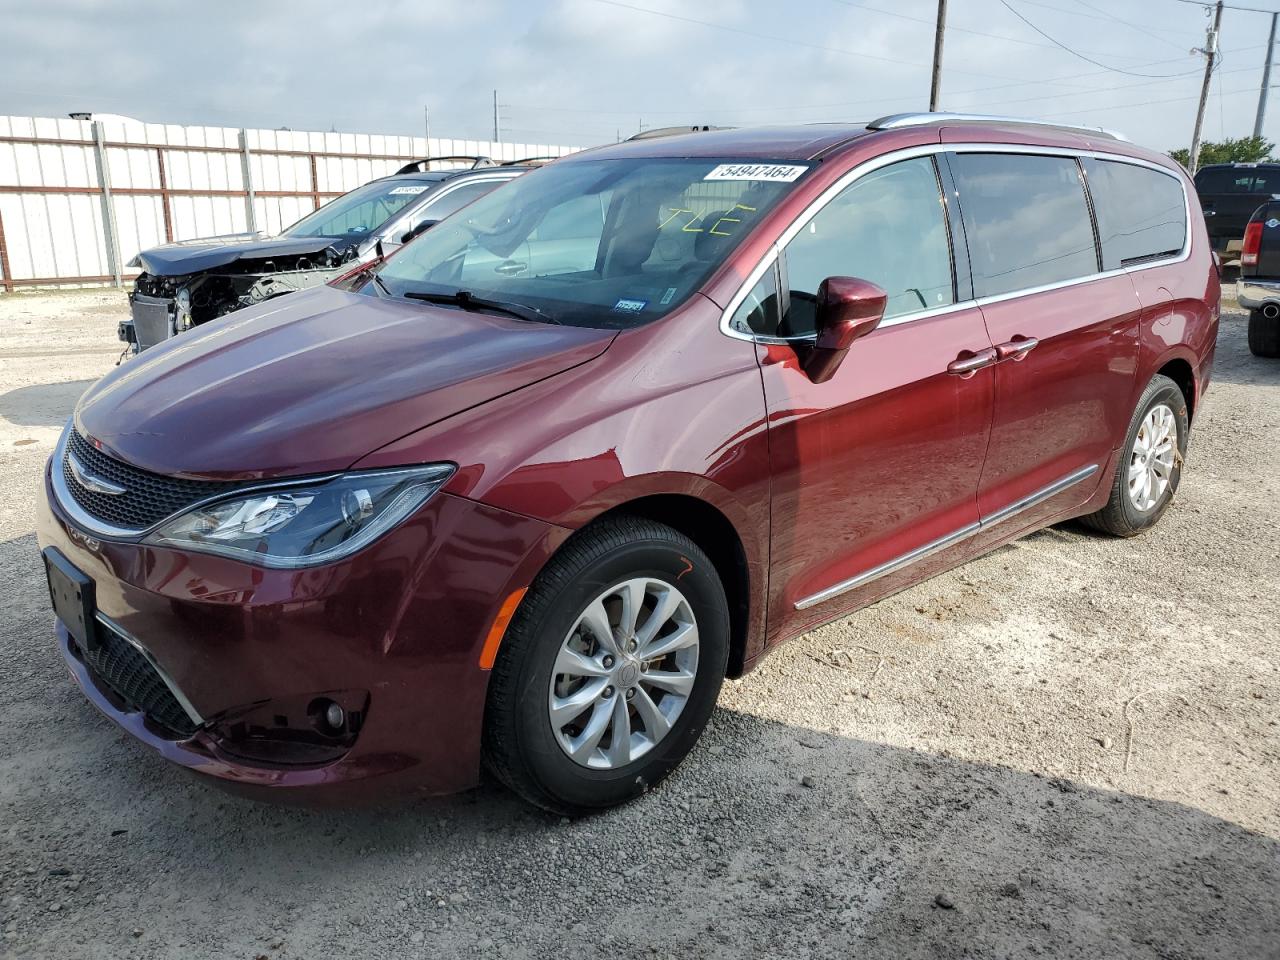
(1242, 150)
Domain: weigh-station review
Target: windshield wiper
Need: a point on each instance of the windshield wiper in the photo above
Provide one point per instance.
(469, 301)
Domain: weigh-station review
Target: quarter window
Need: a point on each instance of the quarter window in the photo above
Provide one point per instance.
(1141, 213)
(1026, 219)
(888, 227)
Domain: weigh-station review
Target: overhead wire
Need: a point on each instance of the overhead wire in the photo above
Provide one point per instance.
(1087, 59)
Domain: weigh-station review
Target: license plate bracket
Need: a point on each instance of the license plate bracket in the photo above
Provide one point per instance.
(73, 597)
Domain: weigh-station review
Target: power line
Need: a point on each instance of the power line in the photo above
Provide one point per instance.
(1076, 53)
(1127, 23)
(773, 38)
(975, 33)
(1226, 6)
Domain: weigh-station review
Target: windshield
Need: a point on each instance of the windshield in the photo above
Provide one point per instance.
(607, 243)
(358, 213)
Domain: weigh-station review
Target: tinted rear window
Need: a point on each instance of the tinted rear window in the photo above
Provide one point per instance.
(1141, 213)
(1026, 219)
(1238, 180)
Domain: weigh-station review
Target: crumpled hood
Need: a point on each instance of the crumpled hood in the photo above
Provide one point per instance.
(193, 256)
(312, 382)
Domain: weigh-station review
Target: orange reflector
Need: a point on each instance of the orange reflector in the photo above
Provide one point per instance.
(489, 652)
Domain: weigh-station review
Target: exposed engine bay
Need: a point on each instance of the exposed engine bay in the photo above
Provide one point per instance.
(163, 306)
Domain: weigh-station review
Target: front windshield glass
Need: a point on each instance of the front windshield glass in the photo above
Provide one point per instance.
(608, 243)
(357, 214)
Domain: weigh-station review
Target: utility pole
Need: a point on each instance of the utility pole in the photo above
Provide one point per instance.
(936, 87)
(1266, 81)
(1210, 58)
(426, 119)
(497, 133)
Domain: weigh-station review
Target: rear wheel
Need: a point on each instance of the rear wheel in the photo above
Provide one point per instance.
(610, 669)
(1149, 469)
(1264, 335)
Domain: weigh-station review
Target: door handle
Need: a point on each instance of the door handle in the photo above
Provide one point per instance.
(1016, 349)
(963, 366)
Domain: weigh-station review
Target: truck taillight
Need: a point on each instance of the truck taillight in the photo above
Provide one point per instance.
(1252, 242)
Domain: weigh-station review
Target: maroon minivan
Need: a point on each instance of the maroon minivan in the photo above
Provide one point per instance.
(523, 495)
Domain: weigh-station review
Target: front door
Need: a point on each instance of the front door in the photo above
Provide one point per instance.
(880, 464)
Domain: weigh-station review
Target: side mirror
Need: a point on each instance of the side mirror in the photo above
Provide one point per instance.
(421, 228)
(847, 309)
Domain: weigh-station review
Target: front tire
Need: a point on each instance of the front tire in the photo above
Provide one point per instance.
(1150, 468)
(609, 670)
(1264, 335)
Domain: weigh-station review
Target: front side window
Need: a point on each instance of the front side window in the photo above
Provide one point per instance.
(451, 201)
(1026, 220)
(1141, 212)
(358, 213)
(610, 243)
(887, 227)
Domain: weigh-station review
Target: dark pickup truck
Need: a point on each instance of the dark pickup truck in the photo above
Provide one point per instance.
(1229, 193)
(1258, 289)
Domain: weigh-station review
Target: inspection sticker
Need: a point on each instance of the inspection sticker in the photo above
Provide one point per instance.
(630, 306)
(411, 190)
(777, 172)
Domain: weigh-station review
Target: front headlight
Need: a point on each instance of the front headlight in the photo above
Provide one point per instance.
(302, 525)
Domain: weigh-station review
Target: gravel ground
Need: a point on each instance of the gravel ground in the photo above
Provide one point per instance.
(1066, 749)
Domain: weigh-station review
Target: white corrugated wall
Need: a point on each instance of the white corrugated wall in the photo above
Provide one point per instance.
(53, 217)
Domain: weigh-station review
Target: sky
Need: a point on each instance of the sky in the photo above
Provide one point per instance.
(583, 72)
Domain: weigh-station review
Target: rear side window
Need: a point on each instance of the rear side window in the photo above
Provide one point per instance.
(1141, 213)
(1237, 180)
(1026, 219)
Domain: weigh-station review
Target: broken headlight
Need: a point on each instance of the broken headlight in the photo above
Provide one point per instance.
(302, 525)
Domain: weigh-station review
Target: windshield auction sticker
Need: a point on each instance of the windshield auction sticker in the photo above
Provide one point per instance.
(776, 172)
(412, 190)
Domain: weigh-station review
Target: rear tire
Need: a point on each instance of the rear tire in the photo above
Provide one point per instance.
(1150, 467)
(577, 642)
(1264, 335)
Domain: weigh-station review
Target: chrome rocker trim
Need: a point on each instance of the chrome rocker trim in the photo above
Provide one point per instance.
(951, 539)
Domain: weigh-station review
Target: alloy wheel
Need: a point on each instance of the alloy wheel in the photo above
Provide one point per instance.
(1152, 456)
(624, 673)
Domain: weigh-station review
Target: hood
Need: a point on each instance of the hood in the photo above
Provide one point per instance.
(312, 382)
(194, 256)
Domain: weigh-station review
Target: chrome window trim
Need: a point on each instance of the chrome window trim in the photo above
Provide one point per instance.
(87, 523)
(187, 707)
(927, 150)
(951, 539)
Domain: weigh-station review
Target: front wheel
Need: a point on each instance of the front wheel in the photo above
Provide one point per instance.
(610, 668)
(1149, 469)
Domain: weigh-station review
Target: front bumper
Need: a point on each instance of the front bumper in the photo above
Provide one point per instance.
(1252, 293)
(400, 624)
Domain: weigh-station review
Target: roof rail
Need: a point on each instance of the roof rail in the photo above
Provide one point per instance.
(673, 131)
(423, 165)
(896, 121)
(531, 161)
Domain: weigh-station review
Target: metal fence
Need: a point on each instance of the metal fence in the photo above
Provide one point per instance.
(78, 199)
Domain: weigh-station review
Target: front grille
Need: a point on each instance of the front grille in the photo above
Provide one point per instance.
(121, 666)
(148, 497)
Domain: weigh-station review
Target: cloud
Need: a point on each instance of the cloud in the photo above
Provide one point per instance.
(584, 71)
